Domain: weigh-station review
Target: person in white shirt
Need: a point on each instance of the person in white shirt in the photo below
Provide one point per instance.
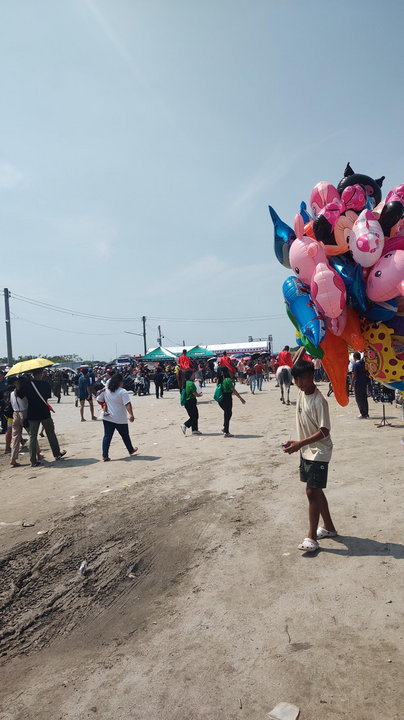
(315, 447)
(117, 408)
(242, 371)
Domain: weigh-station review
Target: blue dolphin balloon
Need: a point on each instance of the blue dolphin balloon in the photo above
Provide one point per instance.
(382, 312)
(298, 299)
(351, 274)
(303, 212)
(283, 238)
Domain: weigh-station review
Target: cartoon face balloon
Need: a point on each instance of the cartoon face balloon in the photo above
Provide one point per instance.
(310, 263)
(386, 278)
(372, 187)
(367, 239)
(322, 194)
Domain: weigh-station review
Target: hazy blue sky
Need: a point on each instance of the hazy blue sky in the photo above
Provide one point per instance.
(142, 140)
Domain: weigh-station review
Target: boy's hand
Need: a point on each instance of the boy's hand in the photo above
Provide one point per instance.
(291, 446)
(131, 418)
(242, 400)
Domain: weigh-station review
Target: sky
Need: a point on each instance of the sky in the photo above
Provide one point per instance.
(141, 142)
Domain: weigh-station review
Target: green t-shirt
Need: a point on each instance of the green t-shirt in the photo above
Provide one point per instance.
(190, 390)
(227, 385)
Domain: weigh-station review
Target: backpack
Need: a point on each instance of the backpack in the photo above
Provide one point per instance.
(219, 395)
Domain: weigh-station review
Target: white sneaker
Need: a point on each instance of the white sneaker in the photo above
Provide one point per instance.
(184, 429)
(362, 417)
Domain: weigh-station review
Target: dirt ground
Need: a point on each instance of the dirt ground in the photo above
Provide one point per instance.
(197, 603)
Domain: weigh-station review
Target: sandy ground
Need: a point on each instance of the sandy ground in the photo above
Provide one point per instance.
(197, 603)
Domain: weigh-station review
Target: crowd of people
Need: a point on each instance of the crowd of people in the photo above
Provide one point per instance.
(25, 406)
(24, 400)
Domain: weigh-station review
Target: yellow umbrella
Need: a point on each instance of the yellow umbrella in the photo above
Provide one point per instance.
(28, 365)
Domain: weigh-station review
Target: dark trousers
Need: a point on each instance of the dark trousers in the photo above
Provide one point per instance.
(361, 397)
(49, 428)
(159, 387)
(109, 429)
(227, 406)
(192, 410)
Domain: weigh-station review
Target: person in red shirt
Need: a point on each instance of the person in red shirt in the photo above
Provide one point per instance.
(259, 374)
(225, 361)
(285, 357)
(185, 363)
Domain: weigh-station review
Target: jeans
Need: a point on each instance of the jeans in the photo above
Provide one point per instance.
(361, 397)
(109, 429)
(259, 378)
(253, 382)
(159, 387)
(227, 406)
(192, 410)
(49, 428)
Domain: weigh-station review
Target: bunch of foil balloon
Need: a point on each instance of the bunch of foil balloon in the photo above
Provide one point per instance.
(346, 251)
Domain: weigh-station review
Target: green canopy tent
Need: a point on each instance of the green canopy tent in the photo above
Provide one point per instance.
(159, 353)
(200, 352)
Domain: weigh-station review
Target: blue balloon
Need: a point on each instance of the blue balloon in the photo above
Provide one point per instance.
(283, 237)
(351, 274)
(298, 299)
(303, 212)
(382, 312)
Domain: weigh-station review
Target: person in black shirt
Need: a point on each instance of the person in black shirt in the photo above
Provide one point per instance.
(38, 392)
(158, 381)
(360, 384)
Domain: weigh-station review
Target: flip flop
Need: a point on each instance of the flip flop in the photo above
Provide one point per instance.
(309, 545)
(323, 533)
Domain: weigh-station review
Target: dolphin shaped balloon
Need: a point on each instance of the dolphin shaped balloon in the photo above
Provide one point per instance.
(283, 238)
(299, 301)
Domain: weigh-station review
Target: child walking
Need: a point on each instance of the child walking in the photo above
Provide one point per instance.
(191, 407)
(226, 383)
(315, 447)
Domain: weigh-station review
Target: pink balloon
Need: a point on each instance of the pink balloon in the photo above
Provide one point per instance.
(310, 263)
(337, 325)
(367, 239)
(393, 243)
(386, 278)
(302, 252)
(322, 194)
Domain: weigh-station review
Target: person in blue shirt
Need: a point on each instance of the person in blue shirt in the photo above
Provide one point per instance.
(85, 394)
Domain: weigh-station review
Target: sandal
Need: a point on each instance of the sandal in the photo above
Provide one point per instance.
(323, 533)
(309, 545)
(134, 451)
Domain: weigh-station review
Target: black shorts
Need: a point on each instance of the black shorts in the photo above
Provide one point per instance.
(313, 473)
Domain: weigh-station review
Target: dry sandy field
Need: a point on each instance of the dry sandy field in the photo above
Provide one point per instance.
(196, 603)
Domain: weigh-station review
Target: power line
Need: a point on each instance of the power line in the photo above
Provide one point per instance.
(72, 332)
(67, 311)
(78, 313)
(219, 320)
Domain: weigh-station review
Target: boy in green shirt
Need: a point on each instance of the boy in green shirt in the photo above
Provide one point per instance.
(191, 394)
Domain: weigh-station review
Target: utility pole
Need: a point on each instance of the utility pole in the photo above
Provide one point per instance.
(160, 336)
(8, 326)
(144, 334)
